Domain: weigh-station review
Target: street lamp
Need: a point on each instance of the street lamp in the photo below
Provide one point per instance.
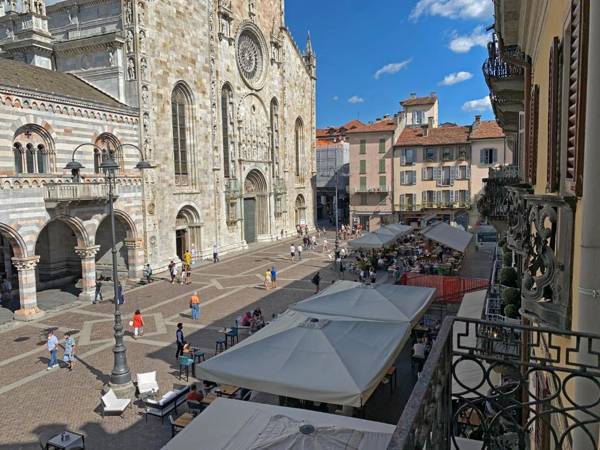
(120, 377)
(337, 236)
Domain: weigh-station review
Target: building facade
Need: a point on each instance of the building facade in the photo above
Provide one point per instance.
(227, 119)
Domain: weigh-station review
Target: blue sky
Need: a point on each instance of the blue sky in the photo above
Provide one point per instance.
(372, 54)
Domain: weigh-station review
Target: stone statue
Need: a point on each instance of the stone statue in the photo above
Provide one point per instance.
(141, 14)
(111, 57)
(129, 13)
(144, 68)
(148, 148)
(145, 95)
(146, 123)
(129, 41)
(131, 69)
(142, 39)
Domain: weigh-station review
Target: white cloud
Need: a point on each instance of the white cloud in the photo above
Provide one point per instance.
(356, 99)
(454, 9)
(335, 98)
(455, 78)
(392, 68)
(462, 44)
(479, 105)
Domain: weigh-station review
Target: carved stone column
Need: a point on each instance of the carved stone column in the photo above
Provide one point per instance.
(88, 271)
(27, 289)
(135, 258)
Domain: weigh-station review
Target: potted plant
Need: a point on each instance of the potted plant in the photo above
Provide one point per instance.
(507, 257)
(511, 311)
(509, 277)
(511, 296)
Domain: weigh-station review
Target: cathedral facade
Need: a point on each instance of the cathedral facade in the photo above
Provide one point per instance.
(214, 93)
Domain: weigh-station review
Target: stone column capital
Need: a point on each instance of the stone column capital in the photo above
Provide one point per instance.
(133, 243)
(87, 252)
(27, 263)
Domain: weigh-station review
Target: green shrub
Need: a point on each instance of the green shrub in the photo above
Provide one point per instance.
(511, 311)
(509, 277)
(502, 242)
(511, 296)
(507, 258)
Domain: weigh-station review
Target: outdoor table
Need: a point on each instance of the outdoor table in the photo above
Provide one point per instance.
(227, 390)
(181, 422)
(71, 441)
(208, 399)
(225, 331)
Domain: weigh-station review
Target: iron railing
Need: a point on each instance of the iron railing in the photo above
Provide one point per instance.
(507, 386)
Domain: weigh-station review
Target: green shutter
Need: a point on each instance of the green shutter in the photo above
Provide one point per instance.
(382, 165)
(382, 180)
(363, 182)
(363, 146)
(381, 145)
(363, 166)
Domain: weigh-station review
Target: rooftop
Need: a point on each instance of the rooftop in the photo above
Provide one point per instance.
(387, 124)
(486, 129)
(448, 134)
(32, 78)
(419, 101)
(333, 131)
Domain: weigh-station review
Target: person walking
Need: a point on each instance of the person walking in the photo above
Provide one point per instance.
(137, 322)
(148, 273)
(267, 280)
(69, 354)
(180, 340)
(184, 269)
(325, 246)
(316, 280)
(195, 305)
(172, 271)
(299, 251)
(120, 295)
(273, 277)
(98, 291)
(52, 348)
(292, 251)
(313, 242)
(188, 275)
(215, 253)
(187, 258)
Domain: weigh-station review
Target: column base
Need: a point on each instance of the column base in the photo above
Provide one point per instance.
(28, 314)
(87, 296)
(126, 390)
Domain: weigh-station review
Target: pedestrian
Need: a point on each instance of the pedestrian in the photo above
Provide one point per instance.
(6, 291)
(313, 241)
(273, 277)
(325, 246)
(267, 280)
(172, 271)
(184, 268)
(299, 251)
(292, 251)
(316, 280)
(69, 354)
(98, 291)
(187, 258)
(180, 340)
(148, 273)
(195, 305)
(120, 295)
(188, 275)
(215, 253)
(137, 322)
(342, 270)
(372, 276)
(52, 348)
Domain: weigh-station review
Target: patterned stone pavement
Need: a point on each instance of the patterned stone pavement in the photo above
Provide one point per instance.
(36, 402)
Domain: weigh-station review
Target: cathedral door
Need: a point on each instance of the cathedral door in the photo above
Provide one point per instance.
(250, 219)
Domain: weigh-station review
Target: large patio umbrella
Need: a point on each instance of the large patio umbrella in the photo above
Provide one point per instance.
(236, 425)
(399, 229)
(372, 240)
(325, 359)
(449, 236)
(384, 302)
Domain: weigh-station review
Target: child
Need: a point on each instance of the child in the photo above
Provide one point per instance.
(69, 355)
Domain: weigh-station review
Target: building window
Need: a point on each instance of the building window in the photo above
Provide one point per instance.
(408, 177)
(382, 145)
(363, 183)
(430, 154)
(464, 153)
(382, 181)
(382, 165)
(447, 198)
(226, 99)
(448, 154)
(463, 172)
(408, 156)
(363, 147)
(30, 158)
(362, 166)
(462, 197)
(33, 150)
(18, 153)
(488, 155)
(427, 173)
(299, 145)
(445, 176)
(418, 117)
(180, 116)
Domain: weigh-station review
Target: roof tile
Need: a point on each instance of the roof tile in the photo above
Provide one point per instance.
(486, 129)
(435, 136)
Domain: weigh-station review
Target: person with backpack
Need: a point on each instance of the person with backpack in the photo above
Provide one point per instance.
(98, 291)
(316, 280)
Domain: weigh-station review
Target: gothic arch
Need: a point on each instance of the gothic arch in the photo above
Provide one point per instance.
(227, 128)
(253, 118)
(76, 226)
(300, 210)
(182, 108)
(188, 230)
(14, 238)
(256, 206)
(105, 143)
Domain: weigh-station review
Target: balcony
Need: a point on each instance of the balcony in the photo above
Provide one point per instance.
(493, 203)
(503, 386)
(370, 189)
(75, 193)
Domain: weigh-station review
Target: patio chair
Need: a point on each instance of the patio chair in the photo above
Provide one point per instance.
(195, 407)
(146, 384)
(232, 334)
(185, 363)
(112, 404)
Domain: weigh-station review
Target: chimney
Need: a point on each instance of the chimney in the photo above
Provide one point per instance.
(477, 118)
(413, 95)
(425, 129)
(430, 122)
(433, 94)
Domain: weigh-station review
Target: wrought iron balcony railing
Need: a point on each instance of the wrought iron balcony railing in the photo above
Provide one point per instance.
(505, 386)
(494, 201)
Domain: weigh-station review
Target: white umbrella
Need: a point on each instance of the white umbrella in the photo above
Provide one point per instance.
(254, 426)
(328, 359)
(385, 302)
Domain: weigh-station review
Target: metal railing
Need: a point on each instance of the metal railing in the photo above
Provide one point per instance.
(508, 386)
(366, 189)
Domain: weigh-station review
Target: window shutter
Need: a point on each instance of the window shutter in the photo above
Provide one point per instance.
(554, 93)
(468, 172)
(453, 174)
(403, 157)
(494, 155)
(424, 173)
(533, 134)
(414, 199)
(452, 196)
(437, 175)
(414, 177)
(482, 156)
(424, 198)
(577, 59)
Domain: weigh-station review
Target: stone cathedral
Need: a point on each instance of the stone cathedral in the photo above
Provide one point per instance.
(214, 93)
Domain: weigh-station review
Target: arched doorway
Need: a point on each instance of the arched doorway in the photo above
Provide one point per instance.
(11, 246)
(187, 232)
(59, 266)
(256, 206)
(300, 210)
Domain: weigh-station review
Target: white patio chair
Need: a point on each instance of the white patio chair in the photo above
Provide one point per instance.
(146, 383)
(112, 404)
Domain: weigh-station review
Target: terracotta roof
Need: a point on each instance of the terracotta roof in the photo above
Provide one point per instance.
(19, 75)
(352, 124)
(486, 129)
(322, 143)
(435, 136)
(380, 125)
(333, 131)
(419, 101)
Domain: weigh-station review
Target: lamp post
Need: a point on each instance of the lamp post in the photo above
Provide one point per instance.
(120, 377)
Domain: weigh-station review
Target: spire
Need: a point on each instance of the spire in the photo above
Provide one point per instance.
(309, 49)
(310, 59)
